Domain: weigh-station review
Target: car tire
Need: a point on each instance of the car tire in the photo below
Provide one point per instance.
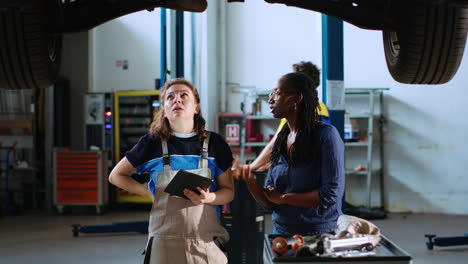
(429, 44)
(29, 54)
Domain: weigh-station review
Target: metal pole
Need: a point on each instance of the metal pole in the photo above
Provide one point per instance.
(179, 43)
(163, 47)
(370, 140)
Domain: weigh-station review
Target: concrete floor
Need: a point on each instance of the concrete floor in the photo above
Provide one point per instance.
(47, 238)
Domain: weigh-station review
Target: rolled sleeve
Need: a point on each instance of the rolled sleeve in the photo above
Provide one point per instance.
(332, 167)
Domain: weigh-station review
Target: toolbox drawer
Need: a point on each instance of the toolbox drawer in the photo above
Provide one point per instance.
(77, 197)
(77, 184)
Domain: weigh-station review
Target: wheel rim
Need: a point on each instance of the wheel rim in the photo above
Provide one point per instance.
(52, 48)
(393, 43)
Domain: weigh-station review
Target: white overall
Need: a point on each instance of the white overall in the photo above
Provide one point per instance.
(181, 232)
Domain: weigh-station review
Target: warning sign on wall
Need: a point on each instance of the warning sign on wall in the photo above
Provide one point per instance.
(232, 134)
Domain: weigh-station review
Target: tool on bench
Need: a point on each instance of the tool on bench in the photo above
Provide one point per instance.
(281, 245)
(330, 245)
(349, 254)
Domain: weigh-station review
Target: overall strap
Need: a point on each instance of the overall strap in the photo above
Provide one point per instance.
(166, 157)
(204, 152)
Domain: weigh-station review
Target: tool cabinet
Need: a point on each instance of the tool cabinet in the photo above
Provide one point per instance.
(80, 178)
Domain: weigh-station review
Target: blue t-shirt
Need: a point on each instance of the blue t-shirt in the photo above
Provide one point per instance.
(146, 156)
(326, 173)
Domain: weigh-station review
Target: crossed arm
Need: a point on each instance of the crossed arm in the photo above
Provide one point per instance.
(270, 197)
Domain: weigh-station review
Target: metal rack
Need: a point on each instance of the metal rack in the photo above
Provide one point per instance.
(368, 116)
(5, 170)
(133, 113)
(254, 115)
(17, 148)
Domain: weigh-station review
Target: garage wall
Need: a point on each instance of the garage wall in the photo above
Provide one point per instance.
(263, 41)
(425, 142)
(134, 38)
(89, 62)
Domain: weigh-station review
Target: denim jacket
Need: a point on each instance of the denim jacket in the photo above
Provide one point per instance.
(326, 174)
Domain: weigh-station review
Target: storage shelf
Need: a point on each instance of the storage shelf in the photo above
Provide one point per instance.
(360, 116)
(132, 105)
(16, 127)
(263, 93)
(356, 144)
(365, 91)
(255, 144)
(364, 153)
(255, 123)
(135, 115)
(260, 117)
(363, 173)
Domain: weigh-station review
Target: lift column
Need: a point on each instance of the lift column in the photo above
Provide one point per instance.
(332, 70)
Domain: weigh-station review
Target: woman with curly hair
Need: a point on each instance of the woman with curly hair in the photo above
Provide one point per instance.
(262, 162)
(305, 181)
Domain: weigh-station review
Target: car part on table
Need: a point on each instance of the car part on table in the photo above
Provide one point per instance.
(281, 245)
(385, 252)
(331, 245)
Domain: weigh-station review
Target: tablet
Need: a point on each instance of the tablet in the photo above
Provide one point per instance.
(187, 180)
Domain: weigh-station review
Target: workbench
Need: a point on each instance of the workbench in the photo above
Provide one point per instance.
(386, 252)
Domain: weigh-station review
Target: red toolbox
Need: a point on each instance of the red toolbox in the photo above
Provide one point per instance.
(80, 178)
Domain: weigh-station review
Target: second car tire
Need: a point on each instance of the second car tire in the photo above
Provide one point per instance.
(429, 44)
(29, 54)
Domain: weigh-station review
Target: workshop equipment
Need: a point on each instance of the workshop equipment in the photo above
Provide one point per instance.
(244, 220)
(281, 245)
(445, 241)
(330, 245)
(385, 252)
(5, 168)
(120, 227)
(80, 178)
(133, 112)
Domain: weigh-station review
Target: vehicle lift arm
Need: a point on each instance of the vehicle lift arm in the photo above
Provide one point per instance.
(445, 241)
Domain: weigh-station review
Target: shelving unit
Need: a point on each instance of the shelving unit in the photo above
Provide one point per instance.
(371, 139)
(133, 113)
(19, 181)
(257, 115)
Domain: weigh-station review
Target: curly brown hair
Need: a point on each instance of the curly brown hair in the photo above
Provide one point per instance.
(161, 128)
(310, 69)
